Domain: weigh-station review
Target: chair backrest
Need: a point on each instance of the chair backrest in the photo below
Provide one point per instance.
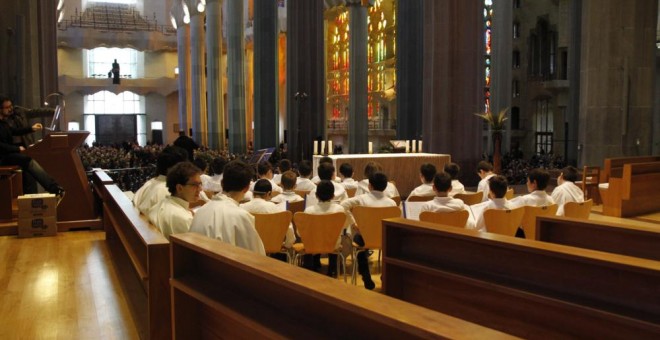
(295, 207)
(509, 193)
(529, 218)
(590, 179)
(396, 199)
(351, 192)
(578, 210)
(504, 222)
(370, 222)
(471, 198)
(272, 229)
(457, 218)
(301, 193)
(319, 233)
(420, 198)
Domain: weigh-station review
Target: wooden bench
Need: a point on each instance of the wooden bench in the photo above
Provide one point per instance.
(522, 287)
(131, 236)
(221, 291)
(613, 167)
(636, 192)
(609, 237)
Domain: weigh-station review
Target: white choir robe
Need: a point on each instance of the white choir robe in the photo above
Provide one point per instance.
(363, 188)
(259, 205)
(537, 198)
(483, 187)
(478, 210)
(172, 215)
(566, 192)
(448, 204)
(151, 195)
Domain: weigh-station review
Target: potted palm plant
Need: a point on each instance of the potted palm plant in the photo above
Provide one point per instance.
(496, 125)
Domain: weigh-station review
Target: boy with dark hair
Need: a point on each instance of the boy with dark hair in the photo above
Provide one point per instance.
(567, 191)
(284, 166)
(220, 218)
(288, 183)
(443, 202)
(265, 171)
(217, 165)
(303, 182)
(363, 186)
(326, 172)
(155, 189)
(426, 173)
(346, 176)
(453, 170)
(497, 187)
(485, 172)
(172, 214)
(325, 159)
(537, 181)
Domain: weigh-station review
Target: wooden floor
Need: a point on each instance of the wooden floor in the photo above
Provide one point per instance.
(66, 287)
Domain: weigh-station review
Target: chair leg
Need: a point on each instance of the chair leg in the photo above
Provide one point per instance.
(354, 271)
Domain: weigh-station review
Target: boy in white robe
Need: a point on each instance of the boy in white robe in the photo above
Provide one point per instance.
(485, 172)
(457, 187)
(537, 181)
(288, 183)
(154, 190)
(443, 202)
(222, 219)
(304, 182)
(326, 172)
(567, 191)
(426, 173)
(363, 185)
(497, 187)
(265, 171)
(346, 176)
(260, 204)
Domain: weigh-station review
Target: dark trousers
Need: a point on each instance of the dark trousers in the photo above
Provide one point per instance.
(362, 258)
(32, 173)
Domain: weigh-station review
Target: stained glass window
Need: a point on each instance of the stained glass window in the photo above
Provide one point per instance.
(488, 23)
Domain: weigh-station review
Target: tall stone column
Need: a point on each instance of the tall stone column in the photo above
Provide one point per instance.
(198, 82)
(358, 121)
(573, 74)
(409, 69)
(502, 61)
(453, 81)
(617, 79)
(214, 94)
(183, 60)
(305, 77)
(236, 77)
(266, 116)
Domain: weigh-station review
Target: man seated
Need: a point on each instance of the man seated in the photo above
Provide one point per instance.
(346, 176)
(172, 214)
(222, 219)
(363, 186)
(497, 187)
(375, 198)
(326, 172)
(456, 186)
(260, 204)
(426, 173)
(567, 191)
(155, 189)
(537, 181)
(288, 183)
(443, 202)
(485, 172)
(304, 182)
(324, 194)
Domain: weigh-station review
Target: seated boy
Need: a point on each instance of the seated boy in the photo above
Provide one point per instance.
(497, 187)
(303, 182)
(426, 173)
(346, 176)
(443, 202)
(363, 186)
(456, 186)
(485, 172)
(567, 191)
(260, 205)
(537, 181)
(288, 183)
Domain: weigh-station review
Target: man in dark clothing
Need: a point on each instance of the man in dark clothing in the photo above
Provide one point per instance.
(11, 154)
(187, 144)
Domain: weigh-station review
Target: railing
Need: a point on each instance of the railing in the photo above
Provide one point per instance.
(115, 18)
(373, 124)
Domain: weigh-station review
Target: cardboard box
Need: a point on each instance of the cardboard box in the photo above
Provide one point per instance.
(38, 226)
(37, 205)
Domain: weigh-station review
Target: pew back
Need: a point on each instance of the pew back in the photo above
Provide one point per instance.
(613, 167)
(637, 192)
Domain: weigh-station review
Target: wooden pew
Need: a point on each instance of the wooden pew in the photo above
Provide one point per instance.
(221, 291)
(131, 235)
(615, 238)
(613, 167)
(636, 192)
(522, 287)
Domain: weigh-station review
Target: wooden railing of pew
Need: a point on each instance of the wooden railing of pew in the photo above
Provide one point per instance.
(140, 245)
(522, 287)
(220, 291)
(613, 167)
(636, 241)
(635, 192)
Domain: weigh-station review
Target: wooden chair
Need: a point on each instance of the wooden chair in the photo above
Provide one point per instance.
(319, 235)
(456, 218)
(272, 229)
(504, 222)
(509, 193)
(301, 193)
(420, 198)
(529, 218)
(578, 210)
(11, 182)
(351, 192)
(471, 198)
(369, 221)
(397, 200)
(590, 181)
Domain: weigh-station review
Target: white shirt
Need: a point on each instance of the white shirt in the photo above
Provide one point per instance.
(424, 190)
(259, 205)
(536, 198)
(339, 195)
(137, 197)
(483, 187)
(363, 188)
(566, 192)
(316, 180)
(287, 196)
(349, 183)
(456, 188)
(305, 184)
(172, 215)
(212, 183)
(448, 204)
(222, 219)
(151, 195)
(372, 199)
(478, 210)
(277, 178)
(274, 186)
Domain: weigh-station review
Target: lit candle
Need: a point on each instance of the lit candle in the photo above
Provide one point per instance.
(323, 147)
(316, 147)
(407, 146)
(330, 150)
(371, 147)
(420, 146)
(414, 145)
